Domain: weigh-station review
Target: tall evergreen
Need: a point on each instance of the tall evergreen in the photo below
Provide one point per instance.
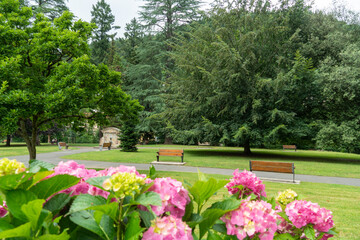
(104, 20)
(51, 8)
(166, 16)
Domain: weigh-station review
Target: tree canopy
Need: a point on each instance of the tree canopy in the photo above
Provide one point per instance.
(46, 76)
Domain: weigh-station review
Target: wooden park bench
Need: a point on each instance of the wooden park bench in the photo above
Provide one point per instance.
(289, 147)
(171, 152)
(63, 144)
(280, 167)
(104, 145)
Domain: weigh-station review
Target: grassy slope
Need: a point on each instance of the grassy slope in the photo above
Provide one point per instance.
(306, 162)
(343, 201)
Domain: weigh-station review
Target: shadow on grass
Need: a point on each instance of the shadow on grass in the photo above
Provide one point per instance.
(268, 156)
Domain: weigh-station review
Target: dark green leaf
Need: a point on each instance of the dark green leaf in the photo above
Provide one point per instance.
(110, 209)
(32, 211)
(57, 202)
(15, 199)
(147, 217)
(10, 182)
(188, 211)
(85, 201)
(148, 198)
(50, 186)
(87, 219)
(227, 204)
(4, 225)
(63, 236)
(36, 166)
(133, 228)
(209, 218)
(152, 172)
(20, 231)
(213, 236)
(309, 232)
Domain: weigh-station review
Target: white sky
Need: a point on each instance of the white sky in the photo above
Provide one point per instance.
(125, 10)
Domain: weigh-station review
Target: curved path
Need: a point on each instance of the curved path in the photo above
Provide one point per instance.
(55, 158)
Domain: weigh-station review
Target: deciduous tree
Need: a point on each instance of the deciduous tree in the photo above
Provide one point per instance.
(45, 75)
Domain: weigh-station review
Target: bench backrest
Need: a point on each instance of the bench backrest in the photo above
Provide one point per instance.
(107, 144)
(289, 146)
(272, 166)
(62, 144)
(171, 152)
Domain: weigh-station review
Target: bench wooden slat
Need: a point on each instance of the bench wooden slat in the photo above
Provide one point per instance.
(289, 147)
(171, 153)
(265, 163)
(266, 166)
(106, 144)
(272, 169)
(172, 150)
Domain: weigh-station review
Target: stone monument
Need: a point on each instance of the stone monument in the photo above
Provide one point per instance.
(110, 134)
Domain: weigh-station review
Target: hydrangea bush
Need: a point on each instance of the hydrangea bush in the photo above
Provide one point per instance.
(68, 201)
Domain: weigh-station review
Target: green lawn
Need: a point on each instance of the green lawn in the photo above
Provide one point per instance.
(21, 149)
(306, 162)
(343, 201)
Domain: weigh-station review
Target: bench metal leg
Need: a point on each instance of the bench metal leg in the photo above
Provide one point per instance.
(109, 148)
(182, 159)
(157, 158)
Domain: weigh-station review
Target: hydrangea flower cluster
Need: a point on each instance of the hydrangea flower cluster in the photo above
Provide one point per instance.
(249, 181)
(168, 228)
(252, 218)
(79, 170)
(124, 184)
(302, 212)
(8, 167)
(286, 197)
(3, 210)
(173, 195)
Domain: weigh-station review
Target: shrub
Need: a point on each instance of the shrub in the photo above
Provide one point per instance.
(68, 200)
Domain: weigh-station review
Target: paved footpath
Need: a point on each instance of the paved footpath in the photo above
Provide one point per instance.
(55, 158)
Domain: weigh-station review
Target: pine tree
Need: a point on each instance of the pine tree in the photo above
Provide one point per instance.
(104, 19)
(51, 8)
(166, 16)
(129, 137)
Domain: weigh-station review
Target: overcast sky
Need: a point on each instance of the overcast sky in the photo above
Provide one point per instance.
(125, 10)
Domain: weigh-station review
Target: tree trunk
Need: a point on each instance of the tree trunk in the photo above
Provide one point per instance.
(168, 140)
(8, 140)
(247, 150)
(30, 142)
(49, 138)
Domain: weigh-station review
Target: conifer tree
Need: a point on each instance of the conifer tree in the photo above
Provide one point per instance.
(104, 19)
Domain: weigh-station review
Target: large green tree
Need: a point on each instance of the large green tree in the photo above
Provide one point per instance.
(46, 76)
(104, 19)
(233, 74)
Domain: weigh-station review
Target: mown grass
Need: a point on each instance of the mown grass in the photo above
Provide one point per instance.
(343, 201)
(18, 149)
(306, 162)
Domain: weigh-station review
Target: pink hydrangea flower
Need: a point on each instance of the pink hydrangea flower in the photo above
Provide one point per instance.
(173, 195)
(79, 170)
(112, 170)
(3, 210)
(301, 213)
(249, 181)
(252, 218)
(168, 228)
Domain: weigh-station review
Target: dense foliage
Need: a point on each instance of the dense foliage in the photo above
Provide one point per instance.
(68, 201)
(46, 76)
